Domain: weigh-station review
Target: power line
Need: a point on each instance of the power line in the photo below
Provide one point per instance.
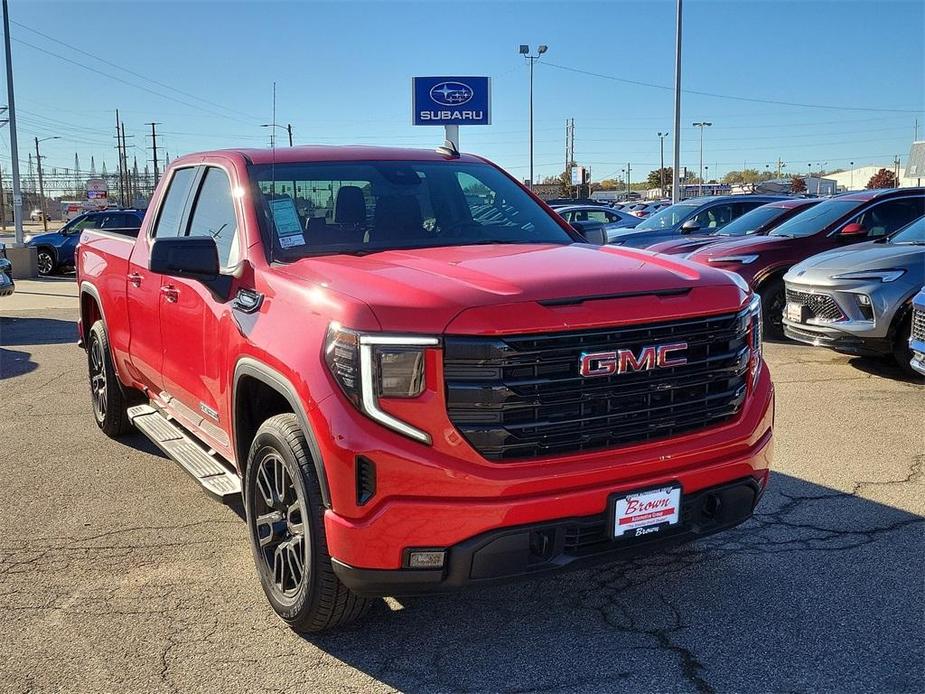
(131, 72)
(730, 96)
(130, 84)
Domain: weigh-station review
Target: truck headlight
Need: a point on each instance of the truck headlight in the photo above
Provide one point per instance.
(368, 366)
(882, 275)
(755, 335)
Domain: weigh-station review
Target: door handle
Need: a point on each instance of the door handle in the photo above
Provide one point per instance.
(170, 293)
(135, 279)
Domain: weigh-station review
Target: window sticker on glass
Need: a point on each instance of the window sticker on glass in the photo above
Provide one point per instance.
(286, 221)
(291, 240)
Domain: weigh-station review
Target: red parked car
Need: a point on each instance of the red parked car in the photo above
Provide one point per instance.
(419, 376)
(835, 222)
(756, 222)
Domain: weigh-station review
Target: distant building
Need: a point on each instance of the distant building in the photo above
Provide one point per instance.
(857, 178)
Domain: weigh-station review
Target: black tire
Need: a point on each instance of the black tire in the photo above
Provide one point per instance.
(901, 351)
(108, 398)
(773, 300)
(47, 263)
(283, 497)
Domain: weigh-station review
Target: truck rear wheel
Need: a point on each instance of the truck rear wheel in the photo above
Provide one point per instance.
(285, 520)
(109, 402)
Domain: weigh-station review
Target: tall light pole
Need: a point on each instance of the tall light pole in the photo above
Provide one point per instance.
(287, 128)
(851, 164)
(661, 170)
(525, 52)
(14, 147)
(701, 125)
(676, 173)
(38, 159)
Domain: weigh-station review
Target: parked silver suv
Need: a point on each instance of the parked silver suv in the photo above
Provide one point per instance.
(858, 300)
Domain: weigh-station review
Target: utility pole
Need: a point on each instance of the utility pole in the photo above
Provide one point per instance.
(2, 202)
(780, 165)
(661, 168)
(119, 151)
(629, 176)
(289, 130)
(154, 148)
(128, 180)
(676, 174)
(38, 159)
(851, 165)
(11, 106)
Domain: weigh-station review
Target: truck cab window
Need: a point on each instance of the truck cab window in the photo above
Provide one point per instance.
(171, 212)
(213, 214)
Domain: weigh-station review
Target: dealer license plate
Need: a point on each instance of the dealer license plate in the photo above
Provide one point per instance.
(642, 513)
(794, 312)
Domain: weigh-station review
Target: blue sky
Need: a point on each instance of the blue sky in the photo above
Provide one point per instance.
(205, 71)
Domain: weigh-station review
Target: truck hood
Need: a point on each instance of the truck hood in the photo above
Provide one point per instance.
(863, 256)
(425, 290)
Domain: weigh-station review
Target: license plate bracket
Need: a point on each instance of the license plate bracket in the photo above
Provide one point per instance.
(645, 512)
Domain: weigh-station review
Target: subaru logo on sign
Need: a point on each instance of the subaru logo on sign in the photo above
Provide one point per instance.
(451, 93)
(451, 100)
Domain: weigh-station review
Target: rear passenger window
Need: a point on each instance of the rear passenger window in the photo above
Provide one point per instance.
(213, 214)
(171, 214)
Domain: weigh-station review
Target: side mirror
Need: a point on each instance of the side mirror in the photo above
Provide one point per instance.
(592, 232)
(853, 229)
(195, 257)
(690, 226)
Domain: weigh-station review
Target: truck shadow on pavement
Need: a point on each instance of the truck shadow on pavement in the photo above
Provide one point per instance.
(820, 591)
(16, 332)
(25, 330)
(884, 368)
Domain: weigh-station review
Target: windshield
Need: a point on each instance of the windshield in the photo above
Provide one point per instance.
(751, 221)
(668, 217)
(362, 207)
(911, 233)
(816, 218)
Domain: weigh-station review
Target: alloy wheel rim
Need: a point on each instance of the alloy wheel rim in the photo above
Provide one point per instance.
(44, 263)
(279, 527)
(98, 380)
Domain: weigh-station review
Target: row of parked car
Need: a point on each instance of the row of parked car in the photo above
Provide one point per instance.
(837, 272)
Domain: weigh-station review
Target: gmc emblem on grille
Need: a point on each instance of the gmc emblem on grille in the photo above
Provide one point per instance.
(623, 360)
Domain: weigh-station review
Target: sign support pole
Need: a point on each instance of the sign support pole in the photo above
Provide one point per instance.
(452, 135)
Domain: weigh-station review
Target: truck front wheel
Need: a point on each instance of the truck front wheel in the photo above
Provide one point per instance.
(285, 520)
(109, 402)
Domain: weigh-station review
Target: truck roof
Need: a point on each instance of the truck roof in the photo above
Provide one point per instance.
(310, 153)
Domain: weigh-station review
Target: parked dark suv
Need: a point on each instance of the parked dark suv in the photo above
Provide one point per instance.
(704, 215)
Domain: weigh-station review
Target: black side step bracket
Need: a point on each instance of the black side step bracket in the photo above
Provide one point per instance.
(217, 480)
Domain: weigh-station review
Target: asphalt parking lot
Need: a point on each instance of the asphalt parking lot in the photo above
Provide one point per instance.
(117, 574)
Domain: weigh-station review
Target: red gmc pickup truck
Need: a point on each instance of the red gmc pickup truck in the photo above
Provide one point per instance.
(417, 375)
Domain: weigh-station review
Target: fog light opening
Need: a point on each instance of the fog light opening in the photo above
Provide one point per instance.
(711, 506)
(426, 558)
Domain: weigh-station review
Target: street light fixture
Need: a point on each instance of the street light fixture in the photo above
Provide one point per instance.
(701, 125)
(287, 128)
(38, 158)
(525, 52)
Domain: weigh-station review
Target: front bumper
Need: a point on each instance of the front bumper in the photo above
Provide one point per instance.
(527, 551)
(840, 341)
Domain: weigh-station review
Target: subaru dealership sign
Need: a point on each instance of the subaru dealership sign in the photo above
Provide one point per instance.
(451, 100)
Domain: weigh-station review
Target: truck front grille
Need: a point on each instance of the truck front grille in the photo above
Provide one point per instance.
(517, 397)
(821, 306)
(918, 324)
